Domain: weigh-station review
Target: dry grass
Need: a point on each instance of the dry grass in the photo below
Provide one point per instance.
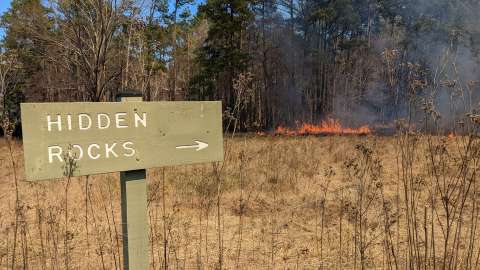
(276, 203)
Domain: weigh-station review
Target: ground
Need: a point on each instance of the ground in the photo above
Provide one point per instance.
(277, 202)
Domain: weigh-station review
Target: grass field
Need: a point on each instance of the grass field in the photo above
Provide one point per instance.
(332, 202)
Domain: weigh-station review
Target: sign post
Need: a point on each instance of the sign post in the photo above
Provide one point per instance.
(126, 137)
(133, 195)
(133, 186)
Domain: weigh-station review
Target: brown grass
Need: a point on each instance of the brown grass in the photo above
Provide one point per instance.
(336, 202)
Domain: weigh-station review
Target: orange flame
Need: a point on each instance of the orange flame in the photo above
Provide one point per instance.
(451, 135)
(261, 133)
(328, 126)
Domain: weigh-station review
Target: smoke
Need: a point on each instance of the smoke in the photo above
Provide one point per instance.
(447, 47)
(381, 69)
(437, 61)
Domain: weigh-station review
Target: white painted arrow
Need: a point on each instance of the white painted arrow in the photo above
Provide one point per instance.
(199, 146)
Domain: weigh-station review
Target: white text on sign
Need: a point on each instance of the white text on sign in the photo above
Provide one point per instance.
(85, 122)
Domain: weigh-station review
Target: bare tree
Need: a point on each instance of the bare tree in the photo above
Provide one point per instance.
(88, 37)
(9, 79)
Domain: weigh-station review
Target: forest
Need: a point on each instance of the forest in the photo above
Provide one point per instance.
(271, 62)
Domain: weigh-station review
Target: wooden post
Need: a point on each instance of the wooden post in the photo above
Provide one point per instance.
(134, 212)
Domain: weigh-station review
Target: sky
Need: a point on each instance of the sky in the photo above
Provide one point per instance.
(4, 5)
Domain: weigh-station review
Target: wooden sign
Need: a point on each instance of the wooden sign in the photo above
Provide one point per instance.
(110, 137)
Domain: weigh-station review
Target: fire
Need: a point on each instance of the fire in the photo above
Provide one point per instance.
(451, 135)
(328, 126)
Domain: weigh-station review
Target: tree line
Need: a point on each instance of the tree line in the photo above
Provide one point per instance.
(271, 62)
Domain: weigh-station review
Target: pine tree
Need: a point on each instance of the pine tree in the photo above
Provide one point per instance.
(25, 23)
(223, 55)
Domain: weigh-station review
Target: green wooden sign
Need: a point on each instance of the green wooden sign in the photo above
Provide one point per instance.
(122, 136)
